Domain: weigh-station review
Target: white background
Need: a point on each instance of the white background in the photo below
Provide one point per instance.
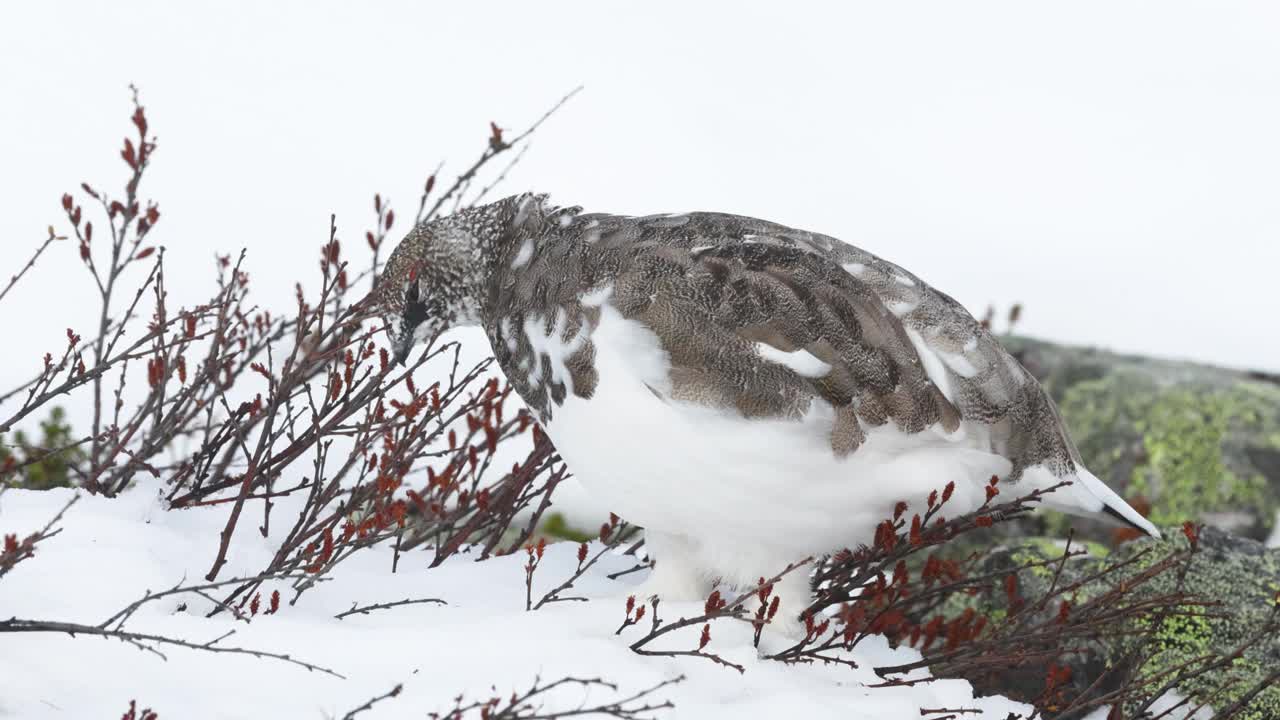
(1113, 166)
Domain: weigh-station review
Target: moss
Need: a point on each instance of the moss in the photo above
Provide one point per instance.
(1186, 473)
(1267, 705)
(1187, 633)
(1043, 572)
(42, 469)
(1052, 547)
(1047, 545)
(556, 527)
(1240, 582)
(1183, 447)
(1101, 415)
(1038, 550)
(1238, 573)
(1096, 549)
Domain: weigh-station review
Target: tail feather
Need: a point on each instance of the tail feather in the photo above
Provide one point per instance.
(1088, 495)
(1114, 505)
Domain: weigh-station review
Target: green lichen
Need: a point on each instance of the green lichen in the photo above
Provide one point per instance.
(556, 527)
(1101, 415)
(1053, 547)
(1186, 631)
(1185, 473)
(1236, 573)
(1267, 705)
(1026, 557)
(1238, 581)
(1037, 552)
(1097, 549)
(47, 462)
(1180, 446)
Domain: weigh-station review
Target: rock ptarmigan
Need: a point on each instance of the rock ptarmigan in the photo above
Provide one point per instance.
(749, 393)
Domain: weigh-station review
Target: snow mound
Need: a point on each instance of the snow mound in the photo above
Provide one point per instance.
(481, 643)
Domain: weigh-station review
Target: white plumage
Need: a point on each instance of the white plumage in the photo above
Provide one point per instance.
(749, 393)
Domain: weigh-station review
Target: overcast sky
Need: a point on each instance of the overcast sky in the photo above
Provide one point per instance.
(1113, 166)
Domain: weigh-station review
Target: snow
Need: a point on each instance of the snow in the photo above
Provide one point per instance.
(112, 550)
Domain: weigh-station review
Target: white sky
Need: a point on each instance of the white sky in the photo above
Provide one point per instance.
(1113, 166)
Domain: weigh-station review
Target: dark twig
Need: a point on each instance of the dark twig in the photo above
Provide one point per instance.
(496, 147)
(393, 692)
(141, 640)
(31, 262)
(527, 705)
(366, 609)
(24, 549)
(715, 608)
(612, 534)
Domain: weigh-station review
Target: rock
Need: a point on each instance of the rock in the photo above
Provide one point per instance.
(1240, 574)
(1181, 440)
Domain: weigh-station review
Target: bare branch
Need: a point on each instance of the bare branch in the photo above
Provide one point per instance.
(393, 692)
(146, 641)
(366, 609)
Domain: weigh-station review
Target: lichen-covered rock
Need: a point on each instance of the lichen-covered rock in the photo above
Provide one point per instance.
(1185, 441)
(1240, 574)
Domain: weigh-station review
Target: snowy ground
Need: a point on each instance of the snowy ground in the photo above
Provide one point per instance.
(111, 551)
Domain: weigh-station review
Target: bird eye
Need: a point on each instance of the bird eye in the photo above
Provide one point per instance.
(415, 310)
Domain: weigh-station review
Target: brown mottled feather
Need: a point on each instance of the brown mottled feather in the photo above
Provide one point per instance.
(711, 286)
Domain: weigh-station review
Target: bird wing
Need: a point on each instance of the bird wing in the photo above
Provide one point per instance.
(765, 319)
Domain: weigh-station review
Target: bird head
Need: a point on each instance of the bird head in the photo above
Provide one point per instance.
(430, 284)
(436, 277)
